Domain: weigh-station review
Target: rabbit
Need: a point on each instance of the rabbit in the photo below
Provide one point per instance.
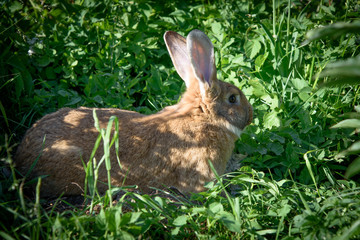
(168, 148)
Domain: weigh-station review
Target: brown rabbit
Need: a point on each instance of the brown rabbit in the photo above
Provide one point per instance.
(169, 148)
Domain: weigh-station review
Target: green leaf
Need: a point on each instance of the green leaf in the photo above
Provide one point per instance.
(56, 12)
(50, 74)
(140, 59)
(271, 100)
(19, 83)
(334, 30)
(216, 28)
(355, 115)
(229, 221)
(125, 235)
(15, 6)
(342, 73)
(178, 12)
(266, 231)
(353, 149)
(43, 61)
(284, 210)
(357, 109)
(353, 168)
(348, 123)
(258, 89)
(239, 59)
(6, 236)
(155, 80)
(180, 221)
(252, 48)
(228, 43)
(304, 93)
(159, 201)
(276, 148)
(2, 109)
(218, 31)
(260, 60)
(308, 165)
(74, 63)
(299, 83)
(175, 231)
(216, 207)
(271, 120)
(352, 232)
(74, 100)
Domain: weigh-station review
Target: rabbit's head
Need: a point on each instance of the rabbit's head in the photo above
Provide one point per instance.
(194, 61)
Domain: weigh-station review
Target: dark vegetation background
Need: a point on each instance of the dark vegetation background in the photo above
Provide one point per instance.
(111, 54)
(58, 54)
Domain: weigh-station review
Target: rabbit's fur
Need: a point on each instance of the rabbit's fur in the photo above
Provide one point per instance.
(169, 148)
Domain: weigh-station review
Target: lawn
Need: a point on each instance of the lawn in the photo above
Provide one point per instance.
(297, 62)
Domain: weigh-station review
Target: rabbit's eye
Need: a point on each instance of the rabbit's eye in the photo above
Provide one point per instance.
(232, 98)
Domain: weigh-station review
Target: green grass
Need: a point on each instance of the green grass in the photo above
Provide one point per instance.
(302, 82)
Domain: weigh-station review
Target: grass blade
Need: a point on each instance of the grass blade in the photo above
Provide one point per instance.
(308, 165)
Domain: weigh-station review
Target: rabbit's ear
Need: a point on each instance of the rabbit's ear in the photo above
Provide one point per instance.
(176, 45)
(201, 53)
